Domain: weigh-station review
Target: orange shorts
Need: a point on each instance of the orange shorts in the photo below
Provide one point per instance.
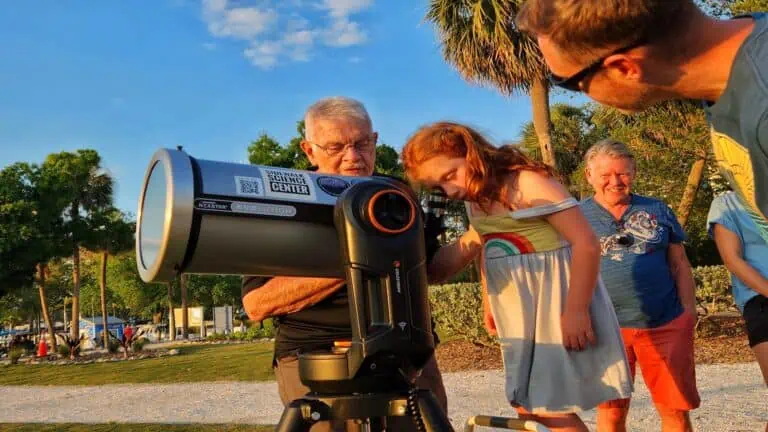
(665, 355)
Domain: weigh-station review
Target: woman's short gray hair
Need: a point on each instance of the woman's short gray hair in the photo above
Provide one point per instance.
(609, 147)
(336, 107)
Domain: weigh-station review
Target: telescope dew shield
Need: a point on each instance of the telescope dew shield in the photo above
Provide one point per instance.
(207, 217)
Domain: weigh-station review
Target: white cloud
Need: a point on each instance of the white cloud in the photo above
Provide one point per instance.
(272, 35)
(301, 37)
(209, 46)
(263, 54)
(240, 22)
(355, 59)
(343, 8)
(345, 33)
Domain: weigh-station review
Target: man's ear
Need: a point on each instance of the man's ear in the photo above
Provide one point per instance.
(309, 151)
(626, 66)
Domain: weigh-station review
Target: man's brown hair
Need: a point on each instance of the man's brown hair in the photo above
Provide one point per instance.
(592, 27)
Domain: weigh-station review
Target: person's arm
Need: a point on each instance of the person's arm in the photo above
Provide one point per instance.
(537, 190)
(729, 246)
(282, 295)
(677, 260)
(682, 273)
(449, 260)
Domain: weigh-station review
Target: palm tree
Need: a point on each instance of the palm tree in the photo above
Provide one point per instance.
(479, 39)
(84, 188)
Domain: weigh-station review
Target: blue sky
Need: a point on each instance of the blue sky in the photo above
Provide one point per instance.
(127, 78)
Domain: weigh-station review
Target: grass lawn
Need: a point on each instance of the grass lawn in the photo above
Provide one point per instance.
(115, 427)
(238, 362)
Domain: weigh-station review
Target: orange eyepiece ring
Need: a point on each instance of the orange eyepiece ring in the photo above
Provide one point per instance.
(376, 224)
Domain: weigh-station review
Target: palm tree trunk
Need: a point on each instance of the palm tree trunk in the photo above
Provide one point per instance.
(171, 319)
(75, 327)
(103, 288)
(691, 188)
(184, 318)
(44, 306)
(541, 119)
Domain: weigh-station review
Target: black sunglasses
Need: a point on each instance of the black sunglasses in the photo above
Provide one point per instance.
(573, 82)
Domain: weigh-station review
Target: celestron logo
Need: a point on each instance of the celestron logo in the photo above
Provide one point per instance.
(397, 277)
(211, 205)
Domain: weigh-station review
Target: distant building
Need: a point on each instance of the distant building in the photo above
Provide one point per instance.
(93, 326)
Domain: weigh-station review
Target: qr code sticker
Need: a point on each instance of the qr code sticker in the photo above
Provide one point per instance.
(249, 186)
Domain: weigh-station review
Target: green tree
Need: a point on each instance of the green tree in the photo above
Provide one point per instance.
(30, 233)
(388, 161)
(267, 151)
(727, 8)
(673, 135)
(479, 39)
(112, 234)
(572, 135)
(82, 188)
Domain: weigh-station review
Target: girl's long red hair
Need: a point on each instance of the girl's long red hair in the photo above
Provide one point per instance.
(489, 168)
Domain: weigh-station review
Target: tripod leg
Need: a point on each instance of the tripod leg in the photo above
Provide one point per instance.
(432, 415)
(300, 415)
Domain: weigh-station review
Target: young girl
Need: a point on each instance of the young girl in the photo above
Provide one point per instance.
(559, 336)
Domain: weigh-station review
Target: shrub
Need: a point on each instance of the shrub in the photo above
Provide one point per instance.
(62, 350)
(114, 346)
(457, 310)
(713, 288)
(15, 354)
(138, 344)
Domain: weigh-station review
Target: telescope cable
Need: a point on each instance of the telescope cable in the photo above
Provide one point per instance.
(412, 403)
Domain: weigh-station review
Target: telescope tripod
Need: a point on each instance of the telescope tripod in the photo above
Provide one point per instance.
(370, 411)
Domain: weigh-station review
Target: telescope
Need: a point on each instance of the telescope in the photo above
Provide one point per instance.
(208, 217)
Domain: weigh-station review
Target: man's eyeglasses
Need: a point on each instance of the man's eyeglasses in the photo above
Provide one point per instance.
(362, 146)
(573, 82)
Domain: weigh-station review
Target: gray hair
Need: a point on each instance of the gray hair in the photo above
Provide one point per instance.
(336, 107)
(609, 147)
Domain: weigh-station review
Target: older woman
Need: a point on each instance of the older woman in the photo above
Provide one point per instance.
(649, 279)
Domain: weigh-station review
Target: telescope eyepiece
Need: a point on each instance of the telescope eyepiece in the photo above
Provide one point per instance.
(390, 211)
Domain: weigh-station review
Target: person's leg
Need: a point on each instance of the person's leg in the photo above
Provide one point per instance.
(555, 422)
(666, 359)
(612, 415)
(756, 321)
(761, 353)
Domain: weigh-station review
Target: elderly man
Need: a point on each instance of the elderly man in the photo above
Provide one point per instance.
(631, 54)
(312, 313)
(650, 282)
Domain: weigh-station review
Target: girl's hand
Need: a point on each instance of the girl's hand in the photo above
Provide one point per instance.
(576, 326)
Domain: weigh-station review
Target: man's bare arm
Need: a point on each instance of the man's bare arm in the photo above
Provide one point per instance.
(683, 276)
(282, 295)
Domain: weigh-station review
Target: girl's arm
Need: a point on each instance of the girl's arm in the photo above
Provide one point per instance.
(449, 260)
(537, 190)
(729, 246)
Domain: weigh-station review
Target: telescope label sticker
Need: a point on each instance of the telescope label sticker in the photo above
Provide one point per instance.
(262, 209)
(286, 184)
(332, 185)
(249, 186)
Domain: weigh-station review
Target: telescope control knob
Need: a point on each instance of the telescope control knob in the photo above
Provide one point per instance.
(390, 211)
